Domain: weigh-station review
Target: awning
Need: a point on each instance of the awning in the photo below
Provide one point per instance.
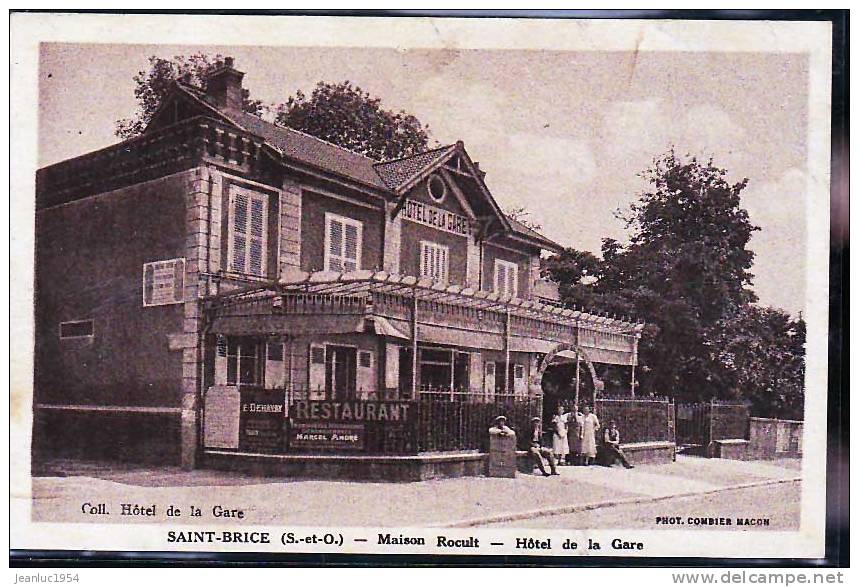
(383, 327)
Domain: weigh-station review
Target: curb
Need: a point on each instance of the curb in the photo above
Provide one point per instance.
(571, 509)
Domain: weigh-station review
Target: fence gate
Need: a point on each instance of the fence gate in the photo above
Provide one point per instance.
(700, 424)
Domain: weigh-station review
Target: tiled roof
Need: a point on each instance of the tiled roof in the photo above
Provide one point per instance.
(520, 228)
(396, 173)
(301, 146)
(308, 149)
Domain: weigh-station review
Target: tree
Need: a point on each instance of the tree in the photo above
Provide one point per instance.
(522, 215)
(151, 87)
(575, 272)
(764, 349)
(686, 270)
(348, 116)
(341, 114)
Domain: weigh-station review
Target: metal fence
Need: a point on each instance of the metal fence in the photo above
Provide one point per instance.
(638, 419)
(461, 421)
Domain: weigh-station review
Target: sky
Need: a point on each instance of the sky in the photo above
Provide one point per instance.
(562, 133)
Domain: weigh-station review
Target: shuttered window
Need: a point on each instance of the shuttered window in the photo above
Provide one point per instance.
(248, 238)
(342, 243)
(434, 261)
(506, 278)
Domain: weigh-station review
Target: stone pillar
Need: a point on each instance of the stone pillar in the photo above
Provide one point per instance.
(290, 227)
(393, 234)
(197, 257)
(502, 453)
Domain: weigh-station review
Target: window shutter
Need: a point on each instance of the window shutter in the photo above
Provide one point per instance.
(335, 245)
(257, 226)
(500, 278)
(442, 274)
(511, 281)
(240, 227)
(350, 253)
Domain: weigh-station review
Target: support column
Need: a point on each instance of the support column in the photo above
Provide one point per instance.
(414, 344)
(197, 260)
(290, 227)
(393, 235)
(472, 263)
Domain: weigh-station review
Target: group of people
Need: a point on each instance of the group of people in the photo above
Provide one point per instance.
(580, 427)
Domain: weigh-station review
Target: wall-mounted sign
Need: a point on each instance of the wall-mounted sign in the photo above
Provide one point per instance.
(352, 425)
(435, 217)
(327, 435)
(164, 282)
(261, 420)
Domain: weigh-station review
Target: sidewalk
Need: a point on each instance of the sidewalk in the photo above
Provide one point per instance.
(59, 496)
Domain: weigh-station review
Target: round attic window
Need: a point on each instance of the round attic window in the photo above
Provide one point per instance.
(436, 188)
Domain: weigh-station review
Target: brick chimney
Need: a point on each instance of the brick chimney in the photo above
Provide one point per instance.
(224, 85)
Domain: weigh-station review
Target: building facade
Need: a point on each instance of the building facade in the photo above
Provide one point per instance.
(192, 279)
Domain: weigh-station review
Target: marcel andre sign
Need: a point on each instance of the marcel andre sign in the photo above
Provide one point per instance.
(344, 425)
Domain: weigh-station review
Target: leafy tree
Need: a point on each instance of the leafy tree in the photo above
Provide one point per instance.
(576, 273)
(341, 113)
(686, 269)
(152, 86)
(348, 116)
(764, 350)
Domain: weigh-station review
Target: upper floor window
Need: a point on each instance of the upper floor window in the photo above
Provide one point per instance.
(434, 261)
(506, 278)
(342, 243)
(248, 231)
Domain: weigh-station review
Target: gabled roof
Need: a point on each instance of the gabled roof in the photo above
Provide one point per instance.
(399, 171)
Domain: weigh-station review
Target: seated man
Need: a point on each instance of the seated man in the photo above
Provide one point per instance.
(538, 451)
(611, 447)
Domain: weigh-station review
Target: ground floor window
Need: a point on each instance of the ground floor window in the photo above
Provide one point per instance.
(244, 361)
(439, 369)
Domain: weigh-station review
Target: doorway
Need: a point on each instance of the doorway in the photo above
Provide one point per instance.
(340, 372)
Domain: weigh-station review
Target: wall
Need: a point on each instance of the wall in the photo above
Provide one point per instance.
(522, 260)
(769, 438)
(89, 265)
(89, 258)
(412, 234)
(313, 208)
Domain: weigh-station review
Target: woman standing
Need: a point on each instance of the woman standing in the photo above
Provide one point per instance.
(590, 427)
(560, 446)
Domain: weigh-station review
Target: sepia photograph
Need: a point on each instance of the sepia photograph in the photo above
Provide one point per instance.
(429, 286)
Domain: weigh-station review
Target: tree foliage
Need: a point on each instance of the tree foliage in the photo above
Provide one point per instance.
(340, 113)
(686, 270)
(152, 86)
(348, 116)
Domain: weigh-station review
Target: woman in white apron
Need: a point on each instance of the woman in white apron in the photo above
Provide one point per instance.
(589, 429)
(560, 446)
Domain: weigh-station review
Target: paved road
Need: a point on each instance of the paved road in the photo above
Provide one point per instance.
(61, 491)
(779, 504)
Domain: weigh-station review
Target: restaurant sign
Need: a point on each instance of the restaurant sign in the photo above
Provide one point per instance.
(435, 217)
(350, 425)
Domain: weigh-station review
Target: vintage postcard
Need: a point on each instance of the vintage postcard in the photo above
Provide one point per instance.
(434, 286)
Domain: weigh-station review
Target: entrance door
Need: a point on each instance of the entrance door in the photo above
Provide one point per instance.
(340, 372)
